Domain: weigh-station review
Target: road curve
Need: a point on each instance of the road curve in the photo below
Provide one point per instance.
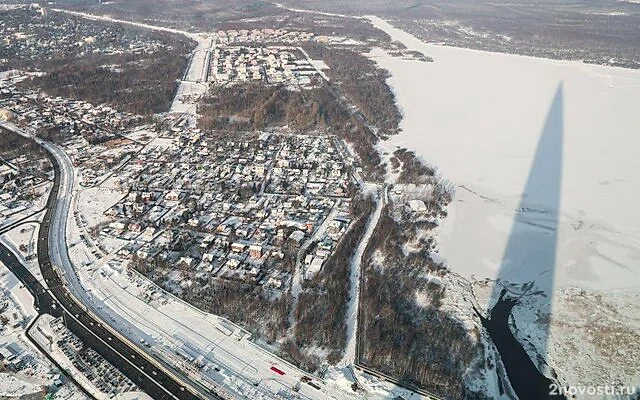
(157, 380)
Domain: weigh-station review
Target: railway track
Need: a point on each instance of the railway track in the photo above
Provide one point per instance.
(390, 379)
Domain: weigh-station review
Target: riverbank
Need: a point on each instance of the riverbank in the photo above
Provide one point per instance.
(478, 118)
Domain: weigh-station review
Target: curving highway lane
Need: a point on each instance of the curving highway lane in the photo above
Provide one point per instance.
(156, 379)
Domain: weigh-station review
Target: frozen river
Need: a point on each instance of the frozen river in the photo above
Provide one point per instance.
(479, 118)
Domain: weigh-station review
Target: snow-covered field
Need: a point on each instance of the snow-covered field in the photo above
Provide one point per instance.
(479, 118)
(11, 386)
(22, 242)
(11, 286)
(186, 97)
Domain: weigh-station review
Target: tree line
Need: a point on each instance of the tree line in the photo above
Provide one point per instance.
(143, 84)
(419, 344)
(255, 106)
(13, 145)
(260, 311)
(363, 83)
(320, 314)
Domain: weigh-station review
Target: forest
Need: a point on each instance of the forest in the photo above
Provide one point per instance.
(258, 310)
(419, 344)
(142, 84)
(132, 69)
(413, 170)
(193, 15)
(360, 80)
(262, 312)
(322, 306)
(13, 145)
(254, 106)
(33, 162)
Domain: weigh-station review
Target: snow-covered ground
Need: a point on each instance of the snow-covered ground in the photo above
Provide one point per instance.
(342, 378)
(22, 242)
(194, 84)
(478, 117)
(11, 386)
(38, 373)
(27, 208)
(93, 202)
(14, 289)
(186, 97)
(142, 134)
(318, 65)
(23, 236)
(199, 63)
(355, 271)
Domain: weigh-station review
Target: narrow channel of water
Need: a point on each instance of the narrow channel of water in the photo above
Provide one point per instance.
(526, 380)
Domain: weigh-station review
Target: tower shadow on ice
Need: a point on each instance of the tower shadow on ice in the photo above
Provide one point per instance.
(529, 260)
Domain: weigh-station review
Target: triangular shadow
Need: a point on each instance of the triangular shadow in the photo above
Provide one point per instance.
(529, 259)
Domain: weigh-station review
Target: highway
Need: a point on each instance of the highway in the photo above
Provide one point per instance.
(246, 368)
(45, 303)
(155, 379)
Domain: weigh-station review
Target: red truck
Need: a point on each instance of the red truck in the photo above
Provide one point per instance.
(277, 371)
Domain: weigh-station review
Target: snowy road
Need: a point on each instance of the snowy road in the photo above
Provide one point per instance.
(175, 326)
(240, 366)
(349, 357)
(193, 85)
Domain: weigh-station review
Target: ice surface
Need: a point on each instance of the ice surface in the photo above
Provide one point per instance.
(478, 117)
